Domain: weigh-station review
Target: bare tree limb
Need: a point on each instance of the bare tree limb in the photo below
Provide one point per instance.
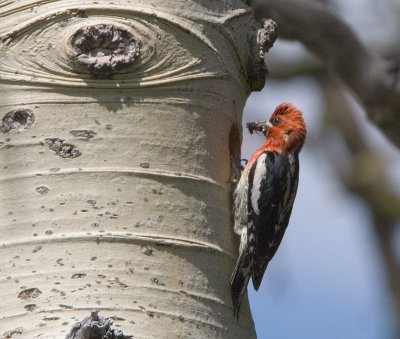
(370, 77)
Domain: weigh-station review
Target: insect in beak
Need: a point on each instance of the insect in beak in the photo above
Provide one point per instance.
(258, 127)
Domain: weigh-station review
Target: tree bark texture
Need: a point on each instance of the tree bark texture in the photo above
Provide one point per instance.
(119, 123)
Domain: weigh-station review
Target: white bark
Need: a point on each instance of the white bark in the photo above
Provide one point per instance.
(131, 213)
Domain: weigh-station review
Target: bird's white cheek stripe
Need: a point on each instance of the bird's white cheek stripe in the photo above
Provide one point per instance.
(260, 173)
(286, 137)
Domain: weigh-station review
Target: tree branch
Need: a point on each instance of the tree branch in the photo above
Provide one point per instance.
(371, 78)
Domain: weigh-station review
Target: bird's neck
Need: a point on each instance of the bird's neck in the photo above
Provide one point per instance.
(267, 146)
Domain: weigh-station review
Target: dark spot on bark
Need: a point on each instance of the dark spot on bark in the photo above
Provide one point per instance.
(180, 318)
(30, 307)
(103, 49)
(62, 148)
(234, 150)
(144, 165)
(29, 293)
(96, 327)
(147, 250)
(162, 243)
(19, 118)
(76, 12)
(156, 281)
(50, 318)
(42, 190)
(83, 134)
(37, 249)
(10, 334)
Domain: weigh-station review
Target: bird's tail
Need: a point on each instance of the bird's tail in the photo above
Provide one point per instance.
(258, 273)
(239, 280)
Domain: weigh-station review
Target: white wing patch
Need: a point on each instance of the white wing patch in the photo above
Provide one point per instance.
(243, 241)
(260, 174)
(240, 212)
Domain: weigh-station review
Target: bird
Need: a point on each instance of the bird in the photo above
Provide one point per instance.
(264, 196)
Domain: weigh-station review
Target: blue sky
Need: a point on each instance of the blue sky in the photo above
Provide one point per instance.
(327, 279)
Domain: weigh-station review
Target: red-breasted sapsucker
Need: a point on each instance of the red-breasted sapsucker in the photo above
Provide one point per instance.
(264, 196)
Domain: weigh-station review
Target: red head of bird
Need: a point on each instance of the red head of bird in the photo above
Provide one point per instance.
(285, 131)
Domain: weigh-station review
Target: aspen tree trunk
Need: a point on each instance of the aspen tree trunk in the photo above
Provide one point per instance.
(119, 123)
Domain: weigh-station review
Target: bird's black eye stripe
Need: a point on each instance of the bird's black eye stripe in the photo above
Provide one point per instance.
(276, 121)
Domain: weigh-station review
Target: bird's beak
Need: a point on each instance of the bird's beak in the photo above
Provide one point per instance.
(263, 126)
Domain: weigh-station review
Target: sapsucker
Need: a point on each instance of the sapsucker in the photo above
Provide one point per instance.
(264, 196)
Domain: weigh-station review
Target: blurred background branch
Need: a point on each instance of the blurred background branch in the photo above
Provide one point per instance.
(364, 174)
(373, 79)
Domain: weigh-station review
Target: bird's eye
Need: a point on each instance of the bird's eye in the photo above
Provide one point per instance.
(276, 121)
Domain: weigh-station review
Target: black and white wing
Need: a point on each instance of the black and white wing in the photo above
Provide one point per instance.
(272, 189)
